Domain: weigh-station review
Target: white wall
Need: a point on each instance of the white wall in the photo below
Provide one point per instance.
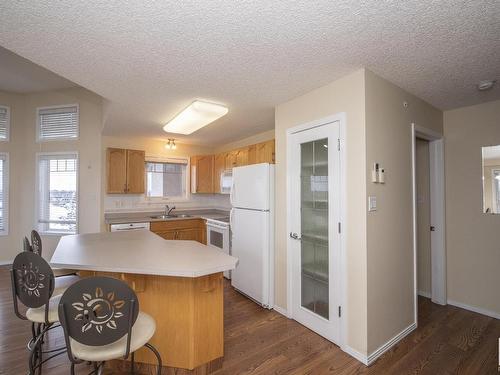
(23, 148)
(344, 95)
(472, 237)
(390, 228)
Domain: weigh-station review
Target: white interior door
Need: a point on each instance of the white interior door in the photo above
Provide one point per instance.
(314, 240)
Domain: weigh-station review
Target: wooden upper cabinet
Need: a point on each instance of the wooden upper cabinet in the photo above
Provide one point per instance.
(265, 152)
(202, 174)
(242, 157)
(116, 172)
(125, 171)
(136, 160)
(252, 154)
(231, 159)
(219, 167)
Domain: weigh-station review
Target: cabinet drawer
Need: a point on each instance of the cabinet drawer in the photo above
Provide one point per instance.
(161, 226)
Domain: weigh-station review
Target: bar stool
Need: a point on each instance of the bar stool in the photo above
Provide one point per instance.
(101, 321)
(64, 277)
(33, 285)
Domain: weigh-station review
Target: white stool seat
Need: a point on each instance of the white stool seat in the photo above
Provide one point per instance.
(63, 283)
(142, 331)
(37, 315)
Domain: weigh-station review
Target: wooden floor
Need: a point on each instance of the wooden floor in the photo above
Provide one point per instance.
(449, 340)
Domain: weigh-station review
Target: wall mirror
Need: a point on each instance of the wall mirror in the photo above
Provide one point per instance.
(491, 179)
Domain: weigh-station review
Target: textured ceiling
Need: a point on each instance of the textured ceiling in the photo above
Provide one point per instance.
(150, 59)
(21, 76)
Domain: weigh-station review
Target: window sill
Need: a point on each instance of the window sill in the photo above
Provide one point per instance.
(57, 234)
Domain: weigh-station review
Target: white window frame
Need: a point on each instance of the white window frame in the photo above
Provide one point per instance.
(6, 181)
(163, 159)
(38, 125)
(8, 123)
(37, 189)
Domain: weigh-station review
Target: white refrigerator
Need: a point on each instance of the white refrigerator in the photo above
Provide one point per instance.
(252, 231)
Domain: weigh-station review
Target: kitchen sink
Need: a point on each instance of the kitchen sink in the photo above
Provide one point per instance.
(173, 216)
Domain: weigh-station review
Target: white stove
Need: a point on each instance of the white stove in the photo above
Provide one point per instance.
(219, 236)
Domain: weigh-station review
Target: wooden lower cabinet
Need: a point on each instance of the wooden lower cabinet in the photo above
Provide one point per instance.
(187, 229)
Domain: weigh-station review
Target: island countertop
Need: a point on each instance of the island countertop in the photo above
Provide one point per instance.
(139, 252)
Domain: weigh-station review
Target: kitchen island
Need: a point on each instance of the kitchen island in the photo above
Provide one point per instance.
(179, 283)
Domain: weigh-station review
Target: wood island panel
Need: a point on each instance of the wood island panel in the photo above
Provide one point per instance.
(189, 315)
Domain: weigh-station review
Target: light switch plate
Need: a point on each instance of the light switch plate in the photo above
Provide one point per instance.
(372, 203)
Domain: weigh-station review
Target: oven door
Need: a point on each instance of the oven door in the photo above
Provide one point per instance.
(218, 236)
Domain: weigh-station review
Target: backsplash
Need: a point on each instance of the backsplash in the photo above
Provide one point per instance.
(117, 203)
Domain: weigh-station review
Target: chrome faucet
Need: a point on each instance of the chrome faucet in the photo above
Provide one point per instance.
(168, 210)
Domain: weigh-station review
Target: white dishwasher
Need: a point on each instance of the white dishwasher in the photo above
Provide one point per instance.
(129, 226)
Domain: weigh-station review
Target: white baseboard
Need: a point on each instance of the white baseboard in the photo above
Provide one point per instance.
(368, 360)
(281, 311)
(389, 344)
(424, 294)
(478, 310)
(357, 355)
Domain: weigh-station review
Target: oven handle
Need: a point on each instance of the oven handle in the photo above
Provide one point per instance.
(211, 224)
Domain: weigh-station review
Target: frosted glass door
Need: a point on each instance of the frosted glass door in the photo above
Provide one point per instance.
(314, 244)
(314, 223)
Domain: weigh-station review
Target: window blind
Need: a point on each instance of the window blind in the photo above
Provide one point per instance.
(58, 123)
(4, 123)
(57, 193)
(4, 193)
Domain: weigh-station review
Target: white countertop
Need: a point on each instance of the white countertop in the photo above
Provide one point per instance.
(139, 252)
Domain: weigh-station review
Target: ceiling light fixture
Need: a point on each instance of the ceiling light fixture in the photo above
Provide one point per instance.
(486, 85)
(195, 116)
(171, 144)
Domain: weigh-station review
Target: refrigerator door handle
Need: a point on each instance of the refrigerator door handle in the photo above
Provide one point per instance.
(231, 221)
(231, 194)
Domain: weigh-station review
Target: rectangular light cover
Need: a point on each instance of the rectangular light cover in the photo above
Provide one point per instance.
(197, 115)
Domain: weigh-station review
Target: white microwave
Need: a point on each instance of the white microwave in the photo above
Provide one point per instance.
(226, 181)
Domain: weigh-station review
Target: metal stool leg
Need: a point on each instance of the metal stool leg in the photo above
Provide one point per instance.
(158, 357)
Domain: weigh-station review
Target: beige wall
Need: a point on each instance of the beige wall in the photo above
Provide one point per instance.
(390, 229)
(23, 149)
(11, 244)
(155, 147)
(257, 138)
(344, 95)
(422, 173)
(472, 238)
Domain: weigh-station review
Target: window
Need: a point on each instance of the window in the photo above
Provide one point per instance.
(4, 123)
(4, 193)
(57, 192)
(166, 178)
(57, 123)
(496, 190)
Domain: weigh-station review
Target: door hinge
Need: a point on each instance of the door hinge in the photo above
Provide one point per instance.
(340, 311)
(340, 228)
(338, 144)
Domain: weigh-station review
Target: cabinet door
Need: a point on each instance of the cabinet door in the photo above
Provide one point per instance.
(166, 234)
(265, 152)
(219, 166)
(231, 159)
(252, 154)
(116, 170)
(192, 234)
(135, 171)
(204, 170)
(242, 157)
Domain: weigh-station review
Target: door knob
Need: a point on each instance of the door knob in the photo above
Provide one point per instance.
(295, 236)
